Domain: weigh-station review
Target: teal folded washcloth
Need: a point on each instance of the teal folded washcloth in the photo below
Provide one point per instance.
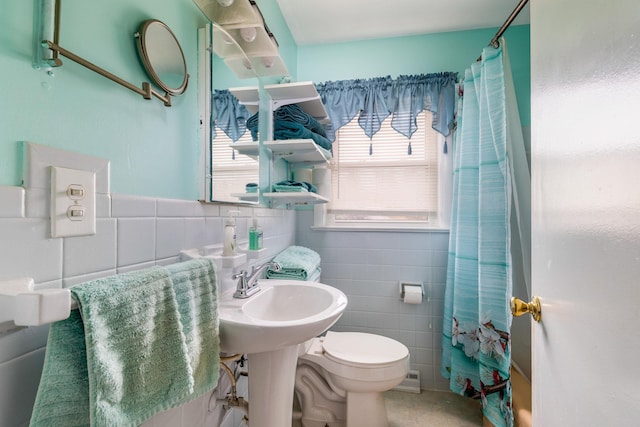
(140, 343)
(285, 188)
(297, 263)
(194, 283)
(294, 186)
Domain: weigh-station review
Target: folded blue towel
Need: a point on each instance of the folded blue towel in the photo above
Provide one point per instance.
(290, 113)
(293, 113)
(252, 125)
(284, 129)
(297, 262)
(294, 186)
(291, 130)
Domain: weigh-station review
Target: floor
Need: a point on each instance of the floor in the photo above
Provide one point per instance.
(431, 408)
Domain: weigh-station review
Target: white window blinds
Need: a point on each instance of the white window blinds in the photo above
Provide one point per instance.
(231, 171)
(389, 184)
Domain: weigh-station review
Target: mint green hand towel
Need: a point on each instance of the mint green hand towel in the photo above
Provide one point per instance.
(134, 363)
(297, 263)
(194, 283)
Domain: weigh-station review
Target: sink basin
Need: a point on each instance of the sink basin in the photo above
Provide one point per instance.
(282, 314)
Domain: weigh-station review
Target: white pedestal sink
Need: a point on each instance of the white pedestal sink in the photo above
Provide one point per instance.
(268, 327)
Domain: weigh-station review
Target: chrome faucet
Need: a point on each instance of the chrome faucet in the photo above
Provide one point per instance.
(248, 284)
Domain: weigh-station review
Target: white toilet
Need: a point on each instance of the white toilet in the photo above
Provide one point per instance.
(340, 378)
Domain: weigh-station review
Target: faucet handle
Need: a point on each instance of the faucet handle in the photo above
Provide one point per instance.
(275, 266)
(243, 273)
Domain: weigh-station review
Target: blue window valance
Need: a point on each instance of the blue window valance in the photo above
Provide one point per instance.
(372, 100)
(375, 99)
(228, 114)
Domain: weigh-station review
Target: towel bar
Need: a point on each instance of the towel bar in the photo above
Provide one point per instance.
(23, 305)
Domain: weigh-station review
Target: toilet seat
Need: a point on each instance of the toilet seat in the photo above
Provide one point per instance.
(363, 350)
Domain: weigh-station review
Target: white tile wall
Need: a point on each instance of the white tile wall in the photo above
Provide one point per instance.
(139, 232)
(367, 266)
(132, 233)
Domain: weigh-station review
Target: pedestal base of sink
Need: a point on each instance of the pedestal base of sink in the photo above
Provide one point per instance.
(272, 377)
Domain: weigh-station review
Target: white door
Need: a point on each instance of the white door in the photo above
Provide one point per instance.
(585, 63)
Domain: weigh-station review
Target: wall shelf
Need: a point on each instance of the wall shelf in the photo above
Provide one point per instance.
(295, 199)
(302, 152)
(246, 197)
(303, 94)
(247, 96)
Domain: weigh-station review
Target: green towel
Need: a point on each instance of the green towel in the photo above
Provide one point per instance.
(297, 263)
(194, 283)
(123, 356)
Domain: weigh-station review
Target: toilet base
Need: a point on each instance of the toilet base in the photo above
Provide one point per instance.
(366, 410)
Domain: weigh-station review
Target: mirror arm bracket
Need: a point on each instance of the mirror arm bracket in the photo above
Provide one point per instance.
(146, 92)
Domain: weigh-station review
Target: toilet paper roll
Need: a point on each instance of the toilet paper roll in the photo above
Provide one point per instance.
(412, 294)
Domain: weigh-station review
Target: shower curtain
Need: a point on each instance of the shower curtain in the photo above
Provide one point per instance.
(476, 340)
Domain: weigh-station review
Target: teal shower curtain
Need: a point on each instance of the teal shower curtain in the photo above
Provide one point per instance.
(476, 342)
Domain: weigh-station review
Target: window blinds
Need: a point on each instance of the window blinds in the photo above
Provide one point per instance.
(388, 183)
(232, 171)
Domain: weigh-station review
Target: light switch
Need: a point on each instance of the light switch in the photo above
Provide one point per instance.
(73, 202)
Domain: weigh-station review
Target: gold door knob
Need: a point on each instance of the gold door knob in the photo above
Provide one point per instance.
(519, 307)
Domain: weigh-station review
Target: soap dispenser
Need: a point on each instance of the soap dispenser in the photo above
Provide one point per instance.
(229, 244)
(255, 236)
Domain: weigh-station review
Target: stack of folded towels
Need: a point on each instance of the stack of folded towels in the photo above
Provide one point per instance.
(294, 187)
(291, 122)
(298, 263)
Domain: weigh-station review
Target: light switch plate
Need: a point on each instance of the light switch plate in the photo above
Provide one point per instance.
(73, 202)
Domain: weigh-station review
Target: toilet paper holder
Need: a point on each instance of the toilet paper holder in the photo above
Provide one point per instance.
(402, 285)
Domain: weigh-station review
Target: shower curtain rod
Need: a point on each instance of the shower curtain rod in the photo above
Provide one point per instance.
(494, 41)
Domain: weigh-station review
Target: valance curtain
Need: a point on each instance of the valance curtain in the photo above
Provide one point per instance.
(375, 99)
(228, 114)
(372, 100)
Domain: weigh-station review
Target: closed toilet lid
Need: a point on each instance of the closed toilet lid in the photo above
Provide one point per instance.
(362, 349)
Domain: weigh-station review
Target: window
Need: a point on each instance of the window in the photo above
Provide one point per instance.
(389, 185)
(231, 170)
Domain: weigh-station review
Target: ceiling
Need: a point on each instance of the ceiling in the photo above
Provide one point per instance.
(333, 21)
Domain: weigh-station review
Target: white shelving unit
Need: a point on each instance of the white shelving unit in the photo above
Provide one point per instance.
(296, 152)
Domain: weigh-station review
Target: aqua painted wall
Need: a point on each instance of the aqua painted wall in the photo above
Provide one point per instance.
(453, 51)
(153, 149)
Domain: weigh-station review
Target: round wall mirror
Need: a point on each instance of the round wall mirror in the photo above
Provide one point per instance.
(162, 56)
